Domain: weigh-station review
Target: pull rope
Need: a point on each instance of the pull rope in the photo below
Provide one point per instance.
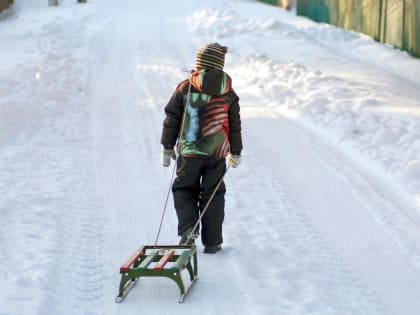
(184, 115)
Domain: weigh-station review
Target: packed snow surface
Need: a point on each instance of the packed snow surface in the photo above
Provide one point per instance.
(322, 216)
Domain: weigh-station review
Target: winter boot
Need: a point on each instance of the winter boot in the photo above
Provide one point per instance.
(212, 249)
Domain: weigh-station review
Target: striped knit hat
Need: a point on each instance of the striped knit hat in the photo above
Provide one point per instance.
(211, 56)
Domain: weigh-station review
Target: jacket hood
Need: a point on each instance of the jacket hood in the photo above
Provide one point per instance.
(211, 81)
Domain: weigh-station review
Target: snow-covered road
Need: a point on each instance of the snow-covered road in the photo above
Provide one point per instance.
(349, 211)
(321, 217)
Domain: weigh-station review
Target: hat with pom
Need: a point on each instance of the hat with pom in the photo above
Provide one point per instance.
(211, 56)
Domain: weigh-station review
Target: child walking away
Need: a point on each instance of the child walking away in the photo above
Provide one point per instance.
(204, 112)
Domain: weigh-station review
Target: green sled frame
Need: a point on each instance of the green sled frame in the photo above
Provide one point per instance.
(159, 261)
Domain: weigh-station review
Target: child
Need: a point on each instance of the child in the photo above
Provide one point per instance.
(204, 113)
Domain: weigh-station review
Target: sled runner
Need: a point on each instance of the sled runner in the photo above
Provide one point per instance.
(159, 261)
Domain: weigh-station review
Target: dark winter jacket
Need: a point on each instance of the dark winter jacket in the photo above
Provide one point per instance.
(212, 124)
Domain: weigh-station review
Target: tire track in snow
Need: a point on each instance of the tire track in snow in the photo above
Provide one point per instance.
(125, 150)
(342, 207)
(284, 257)
(62, 222)
(76, 266)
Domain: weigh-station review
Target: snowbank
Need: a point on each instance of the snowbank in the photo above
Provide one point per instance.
(41, 70)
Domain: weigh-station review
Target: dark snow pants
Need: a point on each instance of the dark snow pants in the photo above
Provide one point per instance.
(195, 182)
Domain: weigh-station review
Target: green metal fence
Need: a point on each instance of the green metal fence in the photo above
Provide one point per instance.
(274, 2)
(396, 22)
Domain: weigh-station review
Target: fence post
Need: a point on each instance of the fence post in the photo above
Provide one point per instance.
(384, 5)
(404, 37)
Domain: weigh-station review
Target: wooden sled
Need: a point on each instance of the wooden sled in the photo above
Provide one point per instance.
(159, 261)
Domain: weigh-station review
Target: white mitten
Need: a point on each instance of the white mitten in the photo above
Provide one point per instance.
(166, 156)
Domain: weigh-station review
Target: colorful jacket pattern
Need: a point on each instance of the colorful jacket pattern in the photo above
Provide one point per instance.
(212, 126)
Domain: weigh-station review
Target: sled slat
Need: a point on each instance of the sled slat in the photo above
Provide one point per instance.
(132, 260)
(146, 262)
(165, 258)
(180, 262)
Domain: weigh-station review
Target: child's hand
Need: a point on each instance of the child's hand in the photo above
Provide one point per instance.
(167, 155)
(234, 160)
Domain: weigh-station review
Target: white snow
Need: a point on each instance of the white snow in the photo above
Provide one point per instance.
(322, 216)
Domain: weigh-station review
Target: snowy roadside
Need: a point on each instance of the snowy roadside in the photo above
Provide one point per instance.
(46, 75)
(46, 215)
